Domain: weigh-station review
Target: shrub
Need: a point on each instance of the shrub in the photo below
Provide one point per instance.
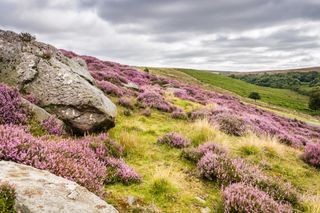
(254, 96)
(10, 106)
(161, 187)
(27, 37)
(314, 102)
(146, 70)
(118, 170)
(218, 167)
(232, 125)
(174, 140)
(151, 98)
(7, 198)
(179, 114)
(83, 161)
(126, 102)
(227, 171)
(311, 154)
(47, 53)
(211, 147)
(240, 197)
(191, 154)
(31, 99)
(52, 126)
(110, 88)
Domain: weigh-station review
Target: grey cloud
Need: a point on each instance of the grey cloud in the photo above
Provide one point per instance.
(204, 15)
(208, 34)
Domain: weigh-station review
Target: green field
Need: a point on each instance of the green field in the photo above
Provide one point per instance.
(279, 97)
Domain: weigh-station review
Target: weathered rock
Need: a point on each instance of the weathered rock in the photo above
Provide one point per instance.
(63, 86)
(38, 191)
(131, 85)
(38, 113)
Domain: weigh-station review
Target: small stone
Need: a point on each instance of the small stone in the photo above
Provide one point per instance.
(205, 210)
(131, 200)
(201, 200)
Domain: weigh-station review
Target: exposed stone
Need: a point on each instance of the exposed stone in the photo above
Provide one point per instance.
(131, 200)
(63, 86)
(205, 210)
(39, 191)
(38, 113)
(131, 85)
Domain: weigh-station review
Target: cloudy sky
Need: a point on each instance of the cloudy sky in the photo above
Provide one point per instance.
(205, 34)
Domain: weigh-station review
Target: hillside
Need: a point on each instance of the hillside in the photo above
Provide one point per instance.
(279, 97)
(305, 70)
(173, 144)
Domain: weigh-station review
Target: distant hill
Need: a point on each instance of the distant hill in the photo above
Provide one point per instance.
(306, 69)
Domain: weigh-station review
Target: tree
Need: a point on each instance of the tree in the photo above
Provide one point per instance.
(255, 96)
(146, 69)
(314, 102)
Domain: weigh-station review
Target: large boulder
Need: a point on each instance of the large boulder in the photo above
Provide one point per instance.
(63, 86)
(39, 191)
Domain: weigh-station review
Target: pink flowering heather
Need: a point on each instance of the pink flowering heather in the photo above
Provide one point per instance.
(10, 110)
(232, 125)
(118, 170)
(226, 171)
(52, 126)
(151, 98)
(174, 140)
(83, 161)
(110, 88)
(239, 197)
(179, 114)
(211, 147)
(311, 154)
(31, 99)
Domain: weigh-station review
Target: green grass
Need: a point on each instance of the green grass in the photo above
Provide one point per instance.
(279, 97)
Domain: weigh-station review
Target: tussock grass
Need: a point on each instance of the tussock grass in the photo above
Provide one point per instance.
(312, 203)
(128, 141)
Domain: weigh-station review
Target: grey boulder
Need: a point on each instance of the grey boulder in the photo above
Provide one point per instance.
(39, 191)
(63, 86)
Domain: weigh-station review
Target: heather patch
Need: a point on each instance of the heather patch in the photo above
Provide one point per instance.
(10, 110)
(240, 197)
(84, 161)
(52, 126)
(174, 140)
(311, 154)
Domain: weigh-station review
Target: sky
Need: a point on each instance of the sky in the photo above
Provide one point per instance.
(224, 35)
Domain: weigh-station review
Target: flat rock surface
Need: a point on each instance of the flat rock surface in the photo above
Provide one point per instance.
(39, 191)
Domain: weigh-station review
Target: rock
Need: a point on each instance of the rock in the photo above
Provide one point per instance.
(38, 113)
(63, 86)
(131, 200)
(39, 191)
(201, 200)
(205, 210)
(131, 85)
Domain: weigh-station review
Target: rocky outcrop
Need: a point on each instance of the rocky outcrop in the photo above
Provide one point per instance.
(63, 86)
(38, 191)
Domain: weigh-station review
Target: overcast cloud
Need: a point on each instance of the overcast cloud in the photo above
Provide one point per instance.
(205, 34)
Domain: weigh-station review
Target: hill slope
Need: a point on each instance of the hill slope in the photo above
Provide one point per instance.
(186, 145)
